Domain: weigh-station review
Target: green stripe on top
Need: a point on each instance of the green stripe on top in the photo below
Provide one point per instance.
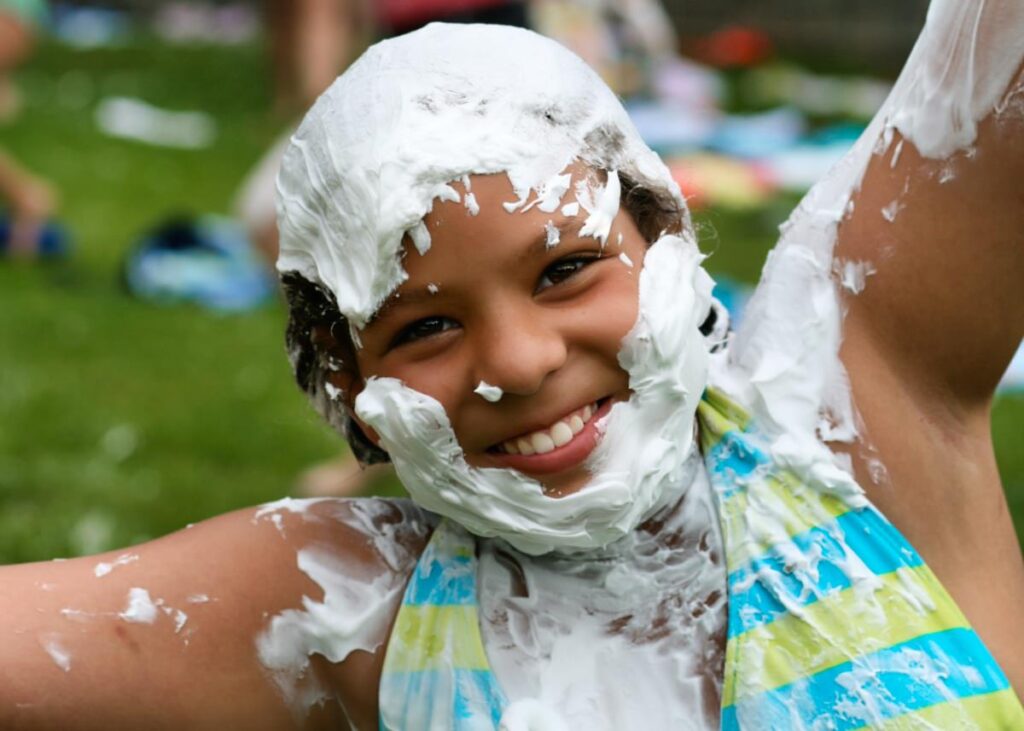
(813, 564)
(436, 673)
(834, 620)
(891, 683)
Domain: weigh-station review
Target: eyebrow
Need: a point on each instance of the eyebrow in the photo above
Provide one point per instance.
(538, 246)
(398, 300)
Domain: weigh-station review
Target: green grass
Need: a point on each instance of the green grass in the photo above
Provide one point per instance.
(121, 420)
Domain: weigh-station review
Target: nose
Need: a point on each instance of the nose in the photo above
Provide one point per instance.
(518, 352)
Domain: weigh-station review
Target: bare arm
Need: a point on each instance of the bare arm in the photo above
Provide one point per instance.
(925, 344)
(164, 635)
(945, 301)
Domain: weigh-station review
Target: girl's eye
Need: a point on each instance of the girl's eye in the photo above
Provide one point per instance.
(423, 328)
(564, 269)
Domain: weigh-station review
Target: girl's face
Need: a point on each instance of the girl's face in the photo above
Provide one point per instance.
(492, 302)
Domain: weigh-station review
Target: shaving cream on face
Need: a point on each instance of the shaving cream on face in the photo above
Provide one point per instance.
(389, 137)
(417, 112)
(488, 392)
(638, 466)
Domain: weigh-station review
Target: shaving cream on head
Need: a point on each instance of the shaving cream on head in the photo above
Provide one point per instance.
(416, 113)
(641, 463)
(412, 116)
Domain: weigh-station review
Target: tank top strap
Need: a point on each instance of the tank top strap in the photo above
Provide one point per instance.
(436, 674)
(834, 618)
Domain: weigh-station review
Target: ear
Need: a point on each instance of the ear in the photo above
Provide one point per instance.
(345, 377)
(372, 436)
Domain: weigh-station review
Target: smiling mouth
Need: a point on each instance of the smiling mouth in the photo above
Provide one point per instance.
(557, 447)
(551, 437)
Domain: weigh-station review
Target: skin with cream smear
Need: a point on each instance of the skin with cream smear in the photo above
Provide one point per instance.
(532, 362)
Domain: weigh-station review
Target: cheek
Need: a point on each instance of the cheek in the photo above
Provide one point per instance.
(622, 316)
(613, 311)
(443, 379)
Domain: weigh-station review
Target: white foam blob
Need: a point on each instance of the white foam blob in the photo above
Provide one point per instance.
(531, 715)
(141, 609)
(551, 235)
(54, 647)
(488, 392)
(601, 205)
(103, 568)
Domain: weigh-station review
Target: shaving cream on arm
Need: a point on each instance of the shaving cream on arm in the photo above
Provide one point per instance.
(784, 360)
(360, 592)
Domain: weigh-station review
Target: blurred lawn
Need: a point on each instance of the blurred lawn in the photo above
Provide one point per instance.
(120, 420)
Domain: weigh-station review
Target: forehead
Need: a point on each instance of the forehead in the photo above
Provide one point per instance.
(484, 216)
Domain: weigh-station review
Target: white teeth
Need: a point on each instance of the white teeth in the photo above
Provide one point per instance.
(542, 443)
(561, 434)
(558, 435)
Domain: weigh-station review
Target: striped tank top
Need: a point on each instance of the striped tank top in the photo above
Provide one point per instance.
(834, 621)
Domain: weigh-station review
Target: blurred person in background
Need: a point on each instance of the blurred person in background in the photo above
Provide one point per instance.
(29, 199)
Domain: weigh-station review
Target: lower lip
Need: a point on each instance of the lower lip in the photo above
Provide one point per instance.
(561, 458)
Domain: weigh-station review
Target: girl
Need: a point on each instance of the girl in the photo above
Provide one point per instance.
(618, 522)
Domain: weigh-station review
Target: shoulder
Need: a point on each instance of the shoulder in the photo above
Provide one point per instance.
(358, 554)
(261, 617)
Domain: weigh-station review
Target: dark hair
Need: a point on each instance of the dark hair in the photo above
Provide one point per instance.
(312, 309)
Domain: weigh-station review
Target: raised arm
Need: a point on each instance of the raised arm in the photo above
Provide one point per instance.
(907, 261)
(942, 245)
(931, 256)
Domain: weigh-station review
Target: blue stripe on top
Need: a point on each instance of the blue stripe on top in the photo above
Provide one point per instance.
(478, 690)
(733, 457)
(760, 591)
(922, 672)
(443, 584)
(465, 700)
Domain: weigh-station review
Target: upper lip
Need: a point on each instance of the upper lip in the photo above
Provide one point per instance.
(540, 423)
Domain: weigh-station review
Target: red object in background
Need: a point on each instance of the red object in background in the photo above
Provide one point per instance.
(405, 13)
(734, 47)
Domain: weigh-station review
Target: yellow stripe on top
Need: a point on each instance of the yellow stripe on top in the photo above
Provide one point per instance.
(430, 636)
(766, 506)
(998, 711)
(771, 511)
(834, 621)
(902, 605)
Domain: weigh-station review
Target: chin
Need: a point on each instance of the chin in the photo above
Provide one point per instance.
(570, 485)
